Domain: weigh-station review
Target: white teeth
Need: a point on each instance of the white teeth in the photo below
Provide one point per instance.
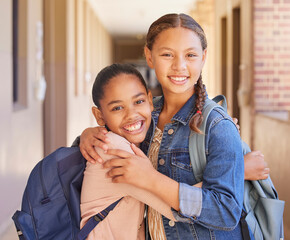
(178, 79)
(133, 127)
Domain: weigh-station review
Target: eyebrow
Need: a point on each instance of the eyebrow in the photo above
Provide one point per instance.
(119, 101)
(188, 49)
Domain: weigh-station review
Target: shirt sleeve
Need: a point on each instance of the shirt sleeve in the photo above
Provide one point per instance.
(218, 204)
(118, 142)
(190, 203)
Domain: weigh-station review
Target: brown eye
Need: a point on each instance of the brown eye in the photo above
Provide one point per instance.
(117, 108)
(191, 55)
(140, 101)
(166, 55)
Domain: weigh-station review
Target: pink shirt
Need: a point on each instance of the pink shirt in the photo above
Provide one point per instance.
(98, 192)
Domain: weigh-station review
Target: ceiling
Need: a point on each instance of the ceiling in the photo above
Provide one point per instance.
(132, 18)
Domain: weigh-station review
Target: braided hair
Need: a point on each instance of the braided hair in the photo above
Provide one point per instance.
(182, 20)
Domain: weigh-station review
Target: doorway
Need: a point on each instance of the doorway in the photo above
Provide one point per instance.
(236, 60)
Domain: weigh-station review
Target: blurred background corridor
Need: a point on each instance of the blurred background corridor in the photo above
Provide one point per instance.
(51, 51)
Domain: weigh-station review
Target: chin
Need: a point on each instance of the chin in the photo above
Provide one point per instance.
(138, 140)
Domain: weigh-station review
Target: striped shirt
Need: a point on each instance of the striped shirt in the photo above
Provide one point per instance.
(156, 228)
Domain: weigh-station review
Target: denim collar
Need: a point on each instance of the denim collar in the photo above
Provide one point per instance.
(183, 115)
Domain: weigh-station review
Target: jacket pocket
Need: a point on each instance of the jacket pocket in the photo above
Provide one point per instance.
(181, 169)
(180, 158)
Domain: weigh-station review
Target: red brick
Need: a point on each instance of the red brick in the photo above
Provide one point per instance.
(284, 9)
(259, 64)
(264, 9)
(284, 88)
(259, 48)
(284, 24)
(284, 72)
(258, 80)
(265, 72)
(264, 88)
(284, 104)
(287, 56)
(265, 56)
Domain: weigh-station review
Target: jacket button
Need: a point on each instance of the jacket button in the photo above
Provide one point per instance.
(170, 131)
(171, 223)
(161, 161)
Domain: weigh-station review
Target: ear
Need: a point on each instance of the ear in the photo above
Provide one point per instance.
(150, 97)
(98, 116)
(148, 56)
(204, 57)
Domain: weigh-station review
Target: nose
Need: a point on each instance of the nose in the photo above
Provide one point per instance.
(131, 113)
(179, 63)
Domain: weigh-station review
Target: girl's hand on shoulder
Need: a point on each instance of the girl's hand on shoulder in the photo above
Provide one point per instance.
(235, 120)
(255, 166)
(134, 169)
(90, 138)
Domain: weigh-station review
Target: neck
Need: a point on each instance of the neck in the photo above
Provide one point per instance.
(174, 102)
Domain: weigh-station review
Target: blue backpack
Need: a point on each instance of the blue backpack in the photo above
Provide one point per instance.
(51, 200)
(263, 211)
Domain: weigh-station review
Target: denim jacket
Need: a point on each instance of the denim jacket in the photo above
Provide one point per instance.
(214, 211)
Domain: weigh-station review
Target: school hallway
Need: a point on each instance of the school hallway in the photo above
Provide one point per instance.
(51, 51)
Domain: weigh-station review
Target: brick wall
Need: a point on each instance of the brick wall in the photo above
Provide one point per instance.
(271, 55)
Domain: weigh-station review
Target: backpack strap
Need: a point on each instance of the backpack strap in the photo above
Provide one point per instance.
(218, 99)
(197, 141)
(95, 220)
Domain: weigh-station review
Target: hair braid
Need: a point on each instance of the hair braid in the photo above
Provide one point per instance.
(197, 118)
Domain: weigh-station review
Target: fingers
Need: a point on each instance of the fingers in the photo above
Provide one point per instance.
(258, 153)
(115, 172)
(114, 163)
(91, 156)
(266, 173)
(101, 135)
(235, 120)
(137, 150)
(87, 156)
(97, 143)
(93, 137)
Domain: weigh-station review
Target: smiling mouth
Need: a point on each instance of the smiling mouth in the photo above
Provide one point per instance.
(178, 79)
(134, 126)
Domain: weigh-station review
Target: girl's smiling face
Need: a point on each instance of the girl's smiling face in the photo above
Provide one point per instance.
(177, 57)
(125, 108)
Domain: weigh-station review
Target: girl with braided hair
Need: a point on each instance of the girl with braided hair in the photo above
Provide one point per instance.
(176, 49)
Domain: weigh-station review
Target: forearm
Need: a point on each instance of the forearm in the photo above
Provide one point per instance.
(163, 187)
